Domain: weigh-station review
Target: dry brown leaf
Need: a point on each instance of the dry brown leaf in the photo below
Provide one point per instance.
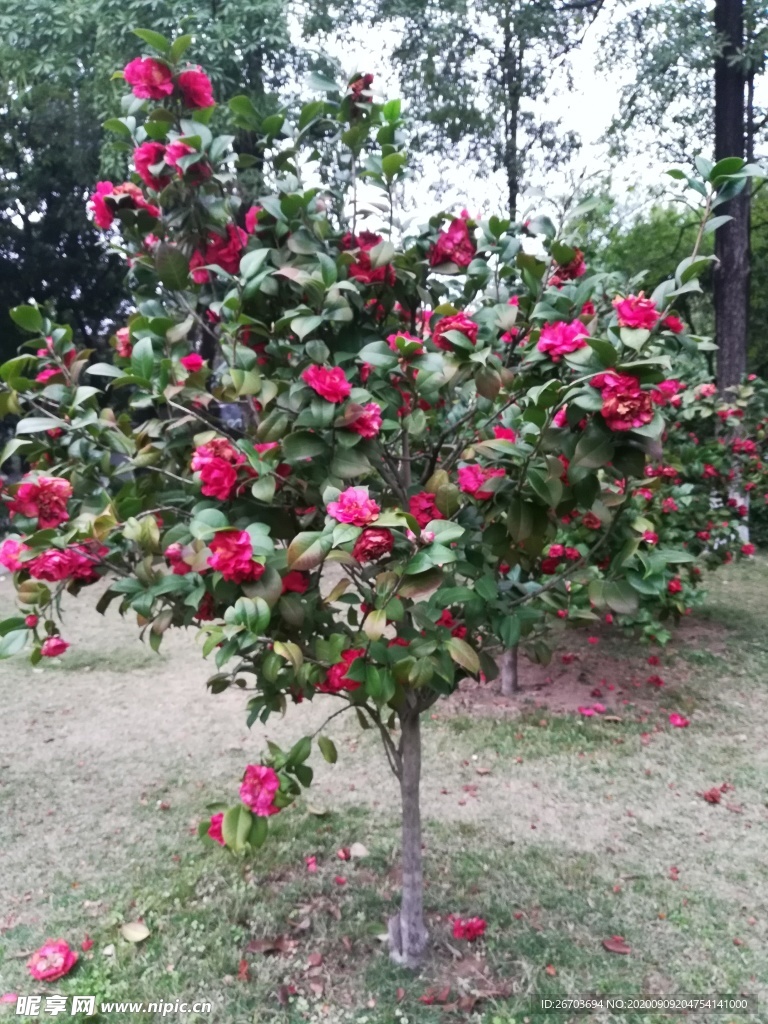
(616, 944)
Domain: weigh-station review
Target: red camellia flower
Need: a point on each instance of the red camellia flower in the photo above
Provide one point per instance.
(373, 544)
(469, 928)
(636, 312)
(362, 269)
(52, 961)
(625, 404)
(196, 90)
(52, 647)
(336, 677)
(423, 508)
(258, 789)
(123, 347)
(30, 621)
(109, 198)
(217, 463)
(675, 585)
(368, 423)
(10, 550)
(75, 562)
(473, 478)
(569, 271)
(214, 829)
(504, 434)
(331, 385)
(747, 550)
(252, 219)
(461, 323)
(295, 582)
(674, 324)
(44, 499)
(667, 392)
(174, 554)
(678, 721)
(359, 85)
(354, 507)
(220, 251)
(232, 556)
(146, 156)
(149, 78)
(446, 619)
(193, 362)
(558, 339)
(454, 245)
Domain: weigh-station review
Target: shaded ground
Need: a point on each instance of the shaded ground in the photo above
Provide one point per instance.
(561, 831)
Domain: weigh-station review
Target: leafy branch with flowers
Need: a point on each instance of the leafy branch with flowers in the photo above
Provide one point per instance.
(360, 462)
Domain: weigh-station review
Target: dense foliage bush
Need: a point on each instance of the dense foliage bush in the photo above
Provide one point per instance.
(359, 460)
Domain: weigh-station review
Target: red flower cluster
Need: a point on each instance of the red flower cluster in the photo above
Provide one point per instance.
(569, 271)
(469, 928)
(217, 463)
(44, 499)
(372, 544)
(362, 269)
(258, 789)
(232, 556)
(636, 312)
(625, 405)
(461, 323)
(151, 79)
(109, 198)
(559, 339)
(423, 508)
(473, 478)
(336, 677)
(454, 245)
(367, 422)
(220, 251)
(330, 384)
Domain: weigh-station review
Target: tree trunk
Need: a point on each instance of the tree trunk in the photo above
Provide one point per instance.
(511, 70)
(732, 240)
(508, 672)
(407, 931)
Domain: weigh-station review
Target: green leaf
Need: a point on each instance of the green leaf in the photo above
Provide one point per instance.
(302, 444)
(13, 642)
(251, 263)
(179, 47)
(172, 267)
(36, 424)
(104, 370)
(319, 83)
(463, 655)
(593, 450)
(154, 39)
(235, 827)
(349, 462)
(143, 359)
(444, 530)
(620, 596)
(28, 318)
(304, 325)
(308, 550)
(328, 749)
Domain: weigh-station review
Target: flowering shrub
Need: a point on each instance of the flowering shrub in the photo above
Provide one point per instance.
(345, 457)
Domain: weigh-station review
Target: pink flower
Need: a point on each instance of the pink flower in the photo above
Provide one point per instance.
(636, 312)
(196, 90)
(593, 640)
(193, 362)
(10, 550)
(747, 550)
(232, 556)
(108, 198)
(8, 997)
(599, 708)
(559, 339)
(423, 508)
(252, 219)
(53, 646)
(87, 943)
(336, 677)
(504, 434)
(473, 478)
(354, 507)
(461, 323)
(625, 405)
(329, 384)
(454, 245)
(258, 789)
(586, 712)
(44, 499)
(650, 537)
(30, 621)
(214, 829)
(469, 928)
(372, 544)
(123, 348)
(706, 390)
(149, 78)
(678, 721)
(146, 156)
(368, 422)
(669, 505)
(311, 863)
(174, 554)
(666, 391)
(655, 681)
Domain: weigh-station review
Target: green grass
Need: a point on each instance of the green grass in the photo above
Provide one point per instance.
(550, 891)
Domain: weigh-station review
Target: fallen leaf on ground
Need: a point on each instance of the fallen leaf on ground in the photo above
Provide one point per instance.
(242, 971)
(314, 959)
(281, 944)
(550, 970)
(616, 944)
(358, 850)
(134, 931)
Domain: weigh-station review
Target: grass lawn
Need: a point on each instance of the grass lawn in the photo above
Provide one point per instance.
(561, 831)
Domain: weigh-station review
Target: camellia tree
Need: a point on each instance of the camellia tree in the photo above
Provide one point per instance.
(340, 454)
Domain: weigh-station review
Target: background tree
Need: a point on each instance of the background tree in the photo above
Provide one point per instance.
(473, 70)
(701, 67)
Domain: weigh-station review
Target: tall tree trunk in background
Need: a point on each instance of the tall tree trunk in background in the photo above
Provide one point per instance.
(732, 240)
(407, 931)
(510, 684)
(511, 70)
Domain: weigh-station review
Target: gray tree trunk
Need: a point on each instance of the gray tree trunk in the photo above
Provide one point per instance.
(407, 931)
(510, 684)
